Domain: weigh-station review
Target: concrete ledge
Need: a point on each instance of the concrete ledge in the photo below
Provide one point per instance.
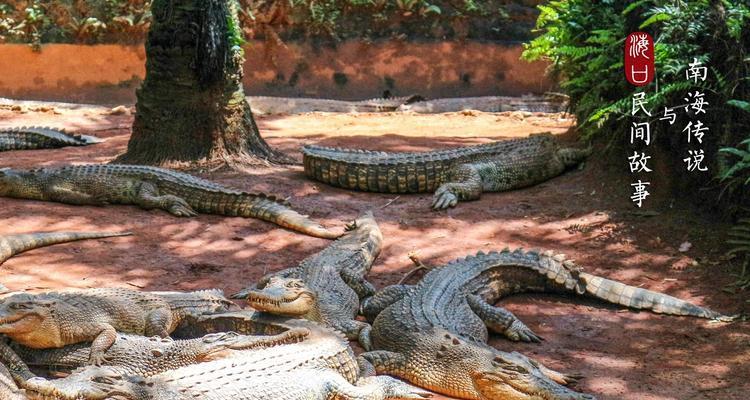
(352, 70)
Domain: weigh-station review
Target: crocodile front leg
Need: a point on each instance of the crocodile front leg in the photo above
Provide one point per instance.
(357, 330)
(68, 195)
(372, 306)
(359, 284)
(148, 198)
(464, 183)
(105, 338)
(501, 321)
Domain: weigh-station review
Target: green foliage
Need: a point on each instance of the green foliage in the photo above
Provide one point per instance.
(584, 42)
(42, 21)
(127, 21)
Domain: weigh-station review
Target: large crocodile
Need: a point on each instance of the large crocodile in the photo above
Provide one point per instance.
(434, 334)
(454, 175)
(322, 366)
(327, 286)
(144, 356)
(151, 187)
(24, 385)
(56, 319)
(10, 245)
(39, 137)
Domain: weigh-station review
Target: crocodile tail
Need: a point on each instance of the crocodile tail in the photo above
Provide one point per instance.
(567, 274)
(15, 244)
(376, 171)
(271, 209)
(572, 156)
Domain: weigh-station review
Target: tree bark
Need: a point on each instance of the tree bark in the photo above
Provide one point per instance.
(191, 108)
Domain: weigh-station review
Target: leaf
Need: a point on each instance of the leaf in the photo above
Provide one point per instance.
(742, 105)
(432, 9)
(658, 17)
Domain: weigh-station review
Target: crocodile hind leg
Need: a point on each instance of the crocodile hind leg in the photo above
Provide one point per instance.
(464, 183)
(501, 321)
(386, 362)
(373, 305)
(158, 323)
(148, 197)
(368, 388)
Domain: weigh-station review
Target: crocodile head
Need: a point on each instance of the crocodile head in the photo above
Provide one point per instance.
(22, 313)
(469, 369)
(284, 296)
(515, 376)
(15, 183)
(90, 383)
(218, 345)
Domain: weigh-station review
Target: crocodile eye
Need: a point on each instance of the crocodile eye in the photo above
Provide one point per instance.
(19, 306)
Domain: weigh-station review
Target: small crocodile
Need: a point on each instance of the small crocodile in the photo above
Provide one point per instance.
(143, 356)
(56, 319)
(10, 245)
(296, 105)
(454, 175)
(41, 137)
(327, 286)
(491, 104)
(181, 194)
(322, 366)
(434, 334)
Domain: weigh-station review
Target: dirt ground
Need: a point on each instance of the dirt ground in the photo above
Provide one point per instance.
(585, 214)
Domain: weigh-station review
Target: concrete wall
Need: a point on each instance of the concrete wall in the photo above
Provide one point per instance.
(352, 70)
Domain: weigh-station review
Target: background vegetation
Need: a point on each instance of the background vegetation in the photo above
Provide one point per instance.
(127, 21)
(584, 42)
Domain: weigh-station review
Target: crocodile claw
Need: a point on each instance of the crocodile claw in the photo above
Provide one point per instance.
(519, 332)
(443, 200)
(97, 359)
(182, 210)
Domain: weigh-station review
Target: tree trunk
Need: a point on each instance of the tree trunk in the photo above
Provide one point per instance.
(191, 108)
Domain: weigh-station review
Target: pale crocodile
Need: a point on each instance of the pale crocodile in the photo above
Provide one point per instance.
(434, 334)
(57, 319)
(320, 367)
(327, 286)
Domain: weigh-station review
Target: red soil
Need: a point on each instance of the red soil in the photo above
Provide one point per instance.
(585, 214)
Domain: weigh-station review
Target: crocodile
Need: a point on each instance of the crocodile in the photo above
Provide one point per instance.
(322, 366)
(41, 137)
(24, 385)
(325, 287)
(434, 334)
(10, 245)
(8, 388)
(144, 356)
(454, 175)
(56, 319)
(180, 194)
(491, 104)
(296, 105)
